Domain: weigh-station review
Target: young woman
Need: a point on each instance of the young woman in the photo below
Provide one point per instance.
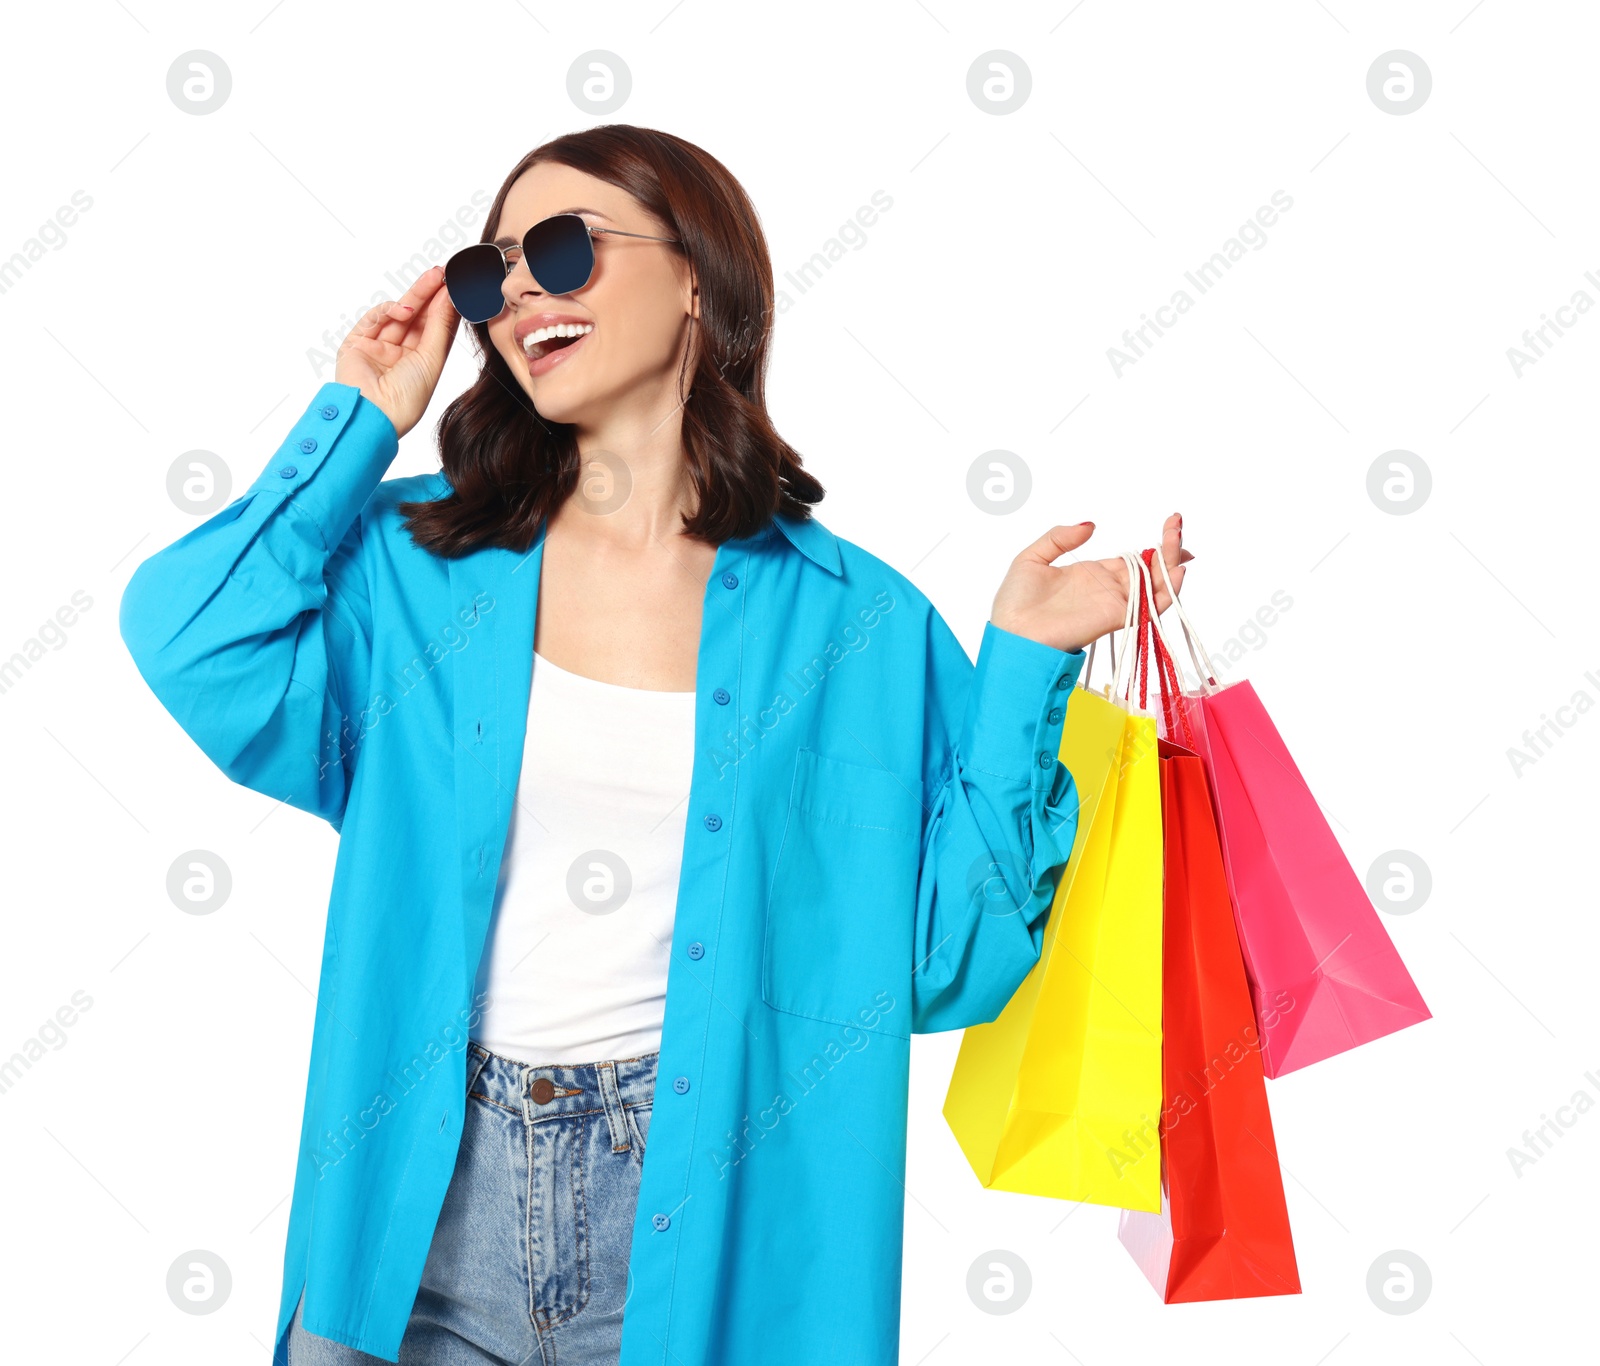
(653, 793)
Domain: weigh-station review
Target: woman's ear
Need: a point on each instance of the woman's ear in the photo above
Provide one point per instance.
(690, 276)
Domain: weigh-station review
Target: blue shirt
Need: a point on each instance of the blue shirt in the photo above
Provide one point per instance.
(876, 827)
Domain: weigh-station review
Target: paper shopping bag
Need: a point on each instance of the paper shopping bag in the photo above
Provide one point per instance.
(1060, 1094)
(1223, 1228)
(1324, 974)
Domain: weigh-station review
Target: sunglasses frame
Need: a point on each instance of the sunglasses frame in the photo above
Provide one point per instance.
(522, 246)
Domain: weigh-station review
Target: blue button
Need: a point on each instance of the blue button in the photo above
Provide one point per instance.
(697, 950)
(660, 1220)
(1055, 715)
(713, 821)
(721, 696)
(680, 1084)
(308, 445)
(730, 580)
(1063, 682)
(330, 411)
(1046, 759)
(288, 471)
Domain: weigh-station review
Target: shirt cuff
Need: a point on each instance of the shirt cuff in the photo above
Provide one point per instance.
(333, 458)
(1018, 706)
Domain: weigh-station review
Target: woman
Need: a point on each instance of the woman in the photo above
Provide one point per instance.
(653, 794)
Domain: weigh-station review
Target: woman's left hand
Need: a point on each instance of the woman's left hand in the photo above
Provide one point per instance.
(1068, 606)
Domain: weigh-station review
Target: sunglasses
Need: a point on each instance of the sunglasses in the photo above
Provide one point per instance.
(559, 254)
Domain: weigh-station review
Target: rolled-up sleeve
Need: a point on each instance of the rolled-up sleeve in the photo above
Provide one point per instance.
(254, 629)
(1001, 816)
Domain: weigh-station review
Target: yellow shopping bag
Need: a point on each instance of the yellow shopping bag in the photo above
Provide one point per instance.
(1061, 1094)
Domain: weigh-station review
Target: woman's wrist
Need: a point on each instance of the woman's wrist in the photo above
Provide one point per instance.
(1005, 622)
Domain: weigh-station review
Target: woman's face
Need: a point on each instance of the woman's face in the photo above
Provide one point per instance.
(638, 303)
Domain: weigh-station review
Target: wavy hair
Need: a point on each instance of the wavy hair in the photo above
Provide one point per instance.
(510, 469)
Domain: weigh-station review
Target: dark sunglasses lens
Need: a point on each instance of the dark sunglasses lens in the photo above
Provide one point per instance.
(475, 277)
(559, 254)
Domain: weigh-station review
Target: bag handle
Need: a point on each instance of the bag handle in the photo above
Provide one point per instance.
(1171, 688)
(1207, 672)
(1165, 660)
(1166, 667)
(1128, 635)
(1132, 640)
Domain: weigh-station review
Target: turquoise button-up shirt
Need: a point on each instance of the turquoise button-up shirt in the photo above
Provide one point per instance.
(875, 831)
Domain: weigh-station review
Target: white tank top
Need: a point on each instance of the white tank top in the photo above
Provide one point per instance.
(575, 961)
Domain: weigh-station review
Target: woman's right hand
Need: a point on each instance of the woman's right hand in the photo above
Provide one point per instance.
(395, 354)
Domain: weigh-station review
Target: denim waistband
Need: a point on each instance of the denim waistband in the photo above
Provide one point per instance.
(552, 1090)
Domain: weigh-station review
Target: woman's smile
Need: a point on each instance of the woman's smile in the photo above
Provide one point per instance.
(547, 339)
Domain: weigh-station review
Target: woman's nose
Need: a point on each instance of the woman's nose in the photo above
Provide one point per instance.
(519, 281)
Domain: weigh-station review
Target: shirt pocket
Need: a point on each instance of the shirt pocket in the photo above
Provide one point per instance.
(842, 904)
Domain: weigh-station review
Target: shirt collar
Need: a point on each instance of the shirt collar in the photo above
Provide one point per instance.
(811, 539)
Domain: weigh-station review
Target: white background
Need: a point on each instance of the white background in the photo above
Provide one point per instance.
(179, 313)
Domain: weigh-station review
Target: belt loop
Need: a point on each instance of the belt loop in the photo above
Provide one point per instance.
(476, 1064)
(621, 1140)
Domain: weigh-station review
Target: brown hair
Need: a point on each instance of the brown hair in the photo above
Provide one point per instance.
(510, 468)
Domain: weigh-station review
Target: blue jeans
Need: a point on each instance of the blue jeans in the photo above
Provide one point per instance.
(529, 1259)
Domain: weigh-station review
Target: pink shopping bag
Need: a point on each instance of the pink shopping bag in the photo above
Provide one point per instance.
(1324, 974)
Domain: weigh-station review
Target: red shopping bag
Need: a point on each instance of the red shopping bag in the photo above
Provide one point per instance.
(1223, 1230)
(1324, 975)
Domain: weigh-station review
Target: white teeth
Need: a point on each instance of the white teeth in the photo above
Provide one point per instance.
(559, 330)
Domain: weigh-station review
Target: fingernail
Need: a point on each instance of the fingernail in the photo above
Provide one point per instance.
(409, 308)
(1085, 523)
